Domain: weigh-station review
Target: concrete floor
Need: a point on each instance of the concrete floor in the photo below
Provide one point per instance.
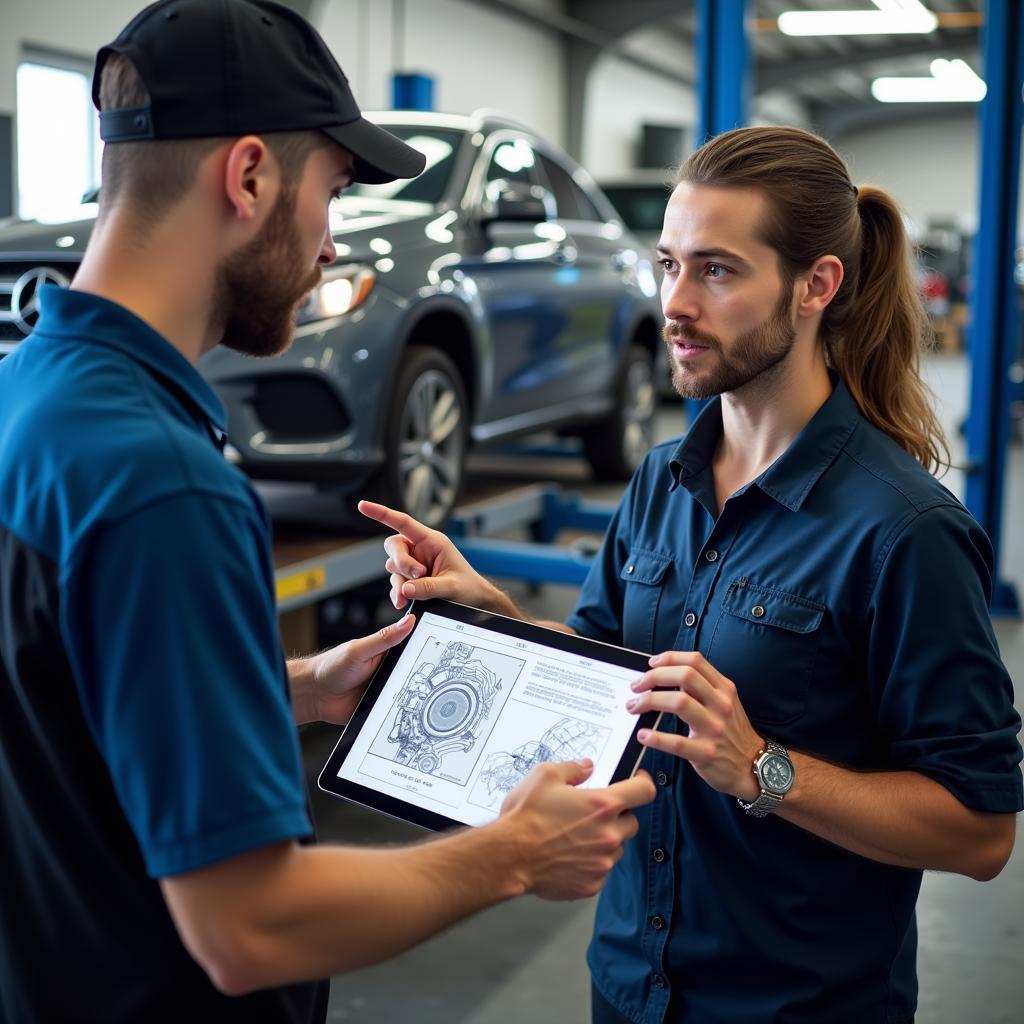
(523, 961)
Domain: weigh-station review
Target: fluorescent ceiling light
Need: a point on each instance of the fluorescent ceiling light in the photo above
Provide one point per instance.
(893, 17)
(952, 81)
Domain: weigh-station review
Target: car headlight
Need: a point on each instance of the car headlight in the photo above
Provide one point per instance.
(340, 290)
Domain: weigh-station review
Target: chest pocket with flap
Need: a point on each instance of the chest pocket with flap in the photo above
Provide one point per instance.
(643, 578)
(765, 641)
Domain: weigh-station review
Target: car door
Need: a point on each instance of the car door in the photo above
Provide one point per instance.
(591, 347)
(521, 270)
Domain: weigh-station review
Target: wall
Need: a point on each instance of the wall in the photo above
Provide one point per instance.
(478, 58)
(930, 166)
(621, 96)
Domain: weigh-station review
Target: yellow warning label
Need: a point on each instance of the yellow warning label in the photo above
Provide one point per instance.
(298, 583)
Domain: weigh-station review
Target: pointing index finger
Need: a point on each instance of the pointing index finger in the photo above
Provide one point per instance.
(395, 520)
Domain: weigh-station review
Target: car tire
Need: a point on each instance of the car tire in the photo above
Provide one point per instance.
(615, 446)
(424, 439)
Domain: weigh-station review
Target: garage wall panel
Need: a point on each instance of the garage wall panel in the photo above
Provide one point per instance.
(621, 97)
(477, 57)
(930, 166)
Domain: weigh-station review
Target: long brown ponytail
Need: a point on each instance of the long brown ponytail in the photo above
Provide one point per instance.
(875, 328)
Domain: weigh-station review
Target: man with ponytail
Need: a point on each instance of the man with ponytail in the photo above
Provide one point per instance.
(837, 716)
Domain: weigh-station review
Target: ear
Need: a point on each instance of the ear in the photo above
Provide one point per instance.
(251, 178)
(816, 287)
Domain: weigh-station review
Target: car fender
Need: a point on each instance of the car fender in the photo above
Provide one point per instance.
(470, 317)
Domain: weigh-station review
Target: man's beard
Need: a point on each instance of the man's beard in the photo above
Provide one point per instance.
(260, 286)
(754, 354)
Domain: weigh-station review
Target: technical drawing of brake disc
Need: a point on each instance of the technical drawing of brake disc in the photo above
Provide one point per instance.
(443, 708)
(450, 709)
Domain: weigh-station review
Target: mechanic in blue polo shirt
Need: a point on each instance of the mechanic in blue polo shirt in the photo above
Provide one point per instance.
(839, 719)
(154, 831)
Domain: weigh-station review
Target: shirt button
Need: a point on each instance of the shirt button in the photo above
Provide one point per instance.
(659, 855)
(662, 778)
(659, 981)
(629, 570)
(691, 618)
(711, 555)
(757, 611)
(657, 923)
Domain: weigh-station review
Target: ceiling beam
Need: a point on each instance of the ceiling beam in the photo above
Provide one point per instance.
(778, 74)
(617, 18)
(585, 32)
(834, 122)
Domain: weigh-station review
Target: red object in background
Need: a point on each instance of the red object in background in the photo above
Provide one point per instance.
(935, 289)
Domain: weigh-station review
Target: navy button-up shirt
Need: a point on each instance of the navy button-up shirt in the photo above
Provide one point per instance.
(146, 728)
(845, 592)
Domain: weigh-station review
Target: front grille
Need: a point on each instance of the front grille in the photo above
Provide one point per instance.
(297, 408)
(19, 283)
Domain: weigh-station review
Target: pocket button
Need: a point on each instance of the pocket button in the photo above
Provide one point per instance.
(757, 611)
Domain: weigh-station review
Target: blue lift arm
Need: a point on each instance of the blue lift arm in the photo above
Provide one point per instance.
(993, 331)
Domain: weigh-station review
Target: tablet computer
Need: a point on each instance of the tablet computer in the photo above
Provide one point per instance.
(459, 713)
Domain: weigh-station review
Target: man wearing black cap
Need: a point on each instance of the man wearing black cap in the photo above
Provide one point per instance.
(154, 831)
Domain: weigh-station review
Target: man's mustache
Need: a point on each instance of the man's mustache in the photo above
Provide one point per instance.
(676, 332)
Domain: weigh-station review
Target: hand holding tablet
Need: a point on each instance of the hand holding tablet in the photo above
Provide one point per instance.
(461, 712)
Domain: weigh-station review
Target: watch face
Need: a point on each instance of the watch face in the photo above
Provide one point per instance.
(776, 773)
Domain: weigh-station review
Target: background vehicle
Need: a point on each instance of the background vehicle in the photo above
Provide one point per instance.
(497, 294)
(639, 198)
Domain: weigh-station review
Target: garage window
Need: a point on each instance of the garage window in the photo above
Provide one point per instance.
(58, 137)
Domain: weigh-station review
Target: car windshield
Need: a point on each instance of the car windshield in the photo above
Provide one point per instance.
(641, 207)
(438, 145)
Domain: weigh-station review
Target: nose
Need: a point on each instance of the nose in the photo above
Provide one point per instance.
(328, 252)
(678, 297)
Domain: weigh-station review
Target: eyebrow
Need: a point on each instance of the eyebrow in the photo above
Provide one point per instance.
(704, 254)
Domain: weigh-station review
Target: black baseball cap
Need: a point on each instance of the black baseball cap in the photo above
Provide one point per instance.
(240, 67)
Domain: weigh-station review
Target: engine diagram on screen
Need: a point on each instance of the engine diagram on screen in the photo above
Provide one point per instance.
(445, 709)
(569, 739)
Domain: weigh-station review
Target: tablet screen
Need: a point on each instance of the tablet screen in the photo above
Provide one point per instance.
(468, 709)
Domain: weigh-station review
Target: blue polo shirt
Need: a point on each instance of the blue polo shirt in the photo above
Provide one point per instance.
(145, 719)
(845, 592)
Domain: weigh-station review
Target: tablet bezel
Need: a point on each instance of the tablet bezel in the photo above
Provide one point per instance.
(329, 780)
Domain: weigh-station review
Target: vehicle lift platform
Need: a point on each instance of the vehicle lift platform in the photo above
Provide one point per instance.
(315, 560)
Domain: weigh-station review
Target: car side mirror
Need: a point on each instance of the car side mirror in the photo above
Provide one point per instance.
(514, 204)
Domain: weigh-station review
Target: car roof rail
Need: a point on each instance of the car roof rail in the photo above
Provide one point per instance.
(482, 114)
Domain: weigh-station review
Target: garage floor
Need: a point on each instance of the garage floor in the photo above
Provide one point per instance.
(523, 961)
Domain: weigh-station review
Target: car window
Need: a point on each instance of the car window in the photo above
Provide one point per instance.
(513, 162)
(572, 202)
(641, 207)
(439, 146)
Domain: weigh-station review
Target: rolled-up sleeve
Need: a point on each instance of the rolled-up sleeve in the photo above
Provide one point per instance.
(943, 696)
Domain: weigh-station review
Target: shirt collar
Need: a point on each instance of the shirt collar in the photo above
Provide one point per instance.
(83, 317)
(790, 478)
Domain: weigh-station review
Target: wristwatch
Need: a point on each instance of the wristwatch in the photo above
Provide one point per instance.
(774, 771)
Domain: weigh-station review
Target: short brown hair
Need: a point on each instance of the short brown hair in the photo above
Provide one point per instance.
(156, 174)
